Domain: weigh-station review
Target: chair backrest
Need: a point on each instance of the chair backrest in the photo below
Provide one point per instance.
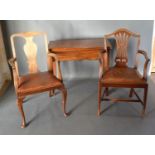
(122, 37)
(30, 49)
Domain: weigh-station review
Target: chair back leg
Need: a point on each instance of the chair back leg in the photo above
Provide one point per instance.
(131, 92)
(144, 100)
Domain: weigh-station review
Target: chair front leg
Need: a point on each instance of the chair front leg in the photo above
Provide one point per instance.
(64, 99)
(20, 108)
(144, 101)
(99, 99)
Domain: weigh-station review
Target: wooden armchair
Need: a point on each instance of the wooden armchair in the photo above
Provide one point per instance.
(35, 81)
(120, 75)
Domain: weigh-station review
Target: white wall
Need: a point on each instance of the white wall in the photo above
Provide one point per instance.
(152, 65)
(83, 29)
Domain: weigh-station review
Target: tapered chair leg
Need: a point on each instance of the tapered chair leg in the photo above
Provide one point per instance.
(107, 92)
(99, 99)
(51, 93)
(144, 101)
(131, 92)
(64, 99)
(20, 108)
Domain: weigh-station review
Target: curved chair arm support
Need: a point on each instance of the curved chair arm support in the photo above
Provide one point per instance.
(12, 62)
(55, 58)
(103, 60)
(145, 64)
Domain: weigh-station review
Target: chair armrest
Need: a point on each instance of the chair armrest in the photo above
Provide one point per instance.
(12, 62)
(53, 56)
(145, 64)
(104, 62)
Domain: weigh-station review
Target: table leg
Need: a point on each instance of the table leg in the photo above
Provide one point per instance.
(59, 71)
(54, 68)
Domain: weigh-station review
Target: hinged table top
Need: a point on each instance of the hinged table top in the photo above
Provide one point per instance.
(77, 44)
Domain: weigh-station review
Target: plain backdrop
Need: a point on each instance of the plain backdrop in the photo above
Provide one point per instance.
(66, 29)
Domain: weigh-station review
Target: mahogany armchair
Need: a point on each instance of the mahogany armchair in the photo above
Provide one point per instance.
(35, 81)
(120, 75)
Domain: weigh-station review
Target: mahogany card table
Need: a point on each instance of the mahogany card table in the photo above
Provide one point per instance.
(75, 50)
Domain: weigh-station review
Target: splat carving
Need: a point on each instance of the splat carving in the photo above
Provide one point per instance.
(30, 49)
(122, 45)
(122, 37)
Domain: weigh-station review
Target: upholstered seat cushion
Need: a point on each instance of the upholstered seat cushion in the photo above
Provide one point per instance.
(122, 75)
(38, 82)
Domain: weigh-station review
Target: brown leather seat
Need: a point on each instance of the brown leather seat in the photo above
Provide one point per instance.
(38, 81)
(122, 75)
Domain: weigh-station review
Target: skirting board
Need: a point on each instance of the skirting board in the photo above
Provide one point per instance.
(153, 70)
